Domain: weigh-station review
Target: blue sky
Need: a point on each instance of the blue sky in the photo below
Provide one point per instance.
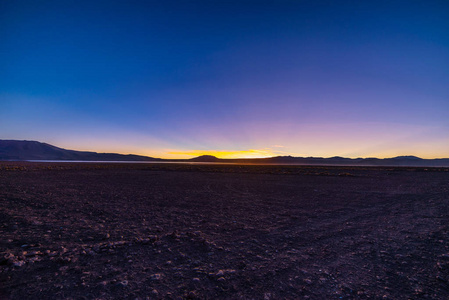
(234, 78)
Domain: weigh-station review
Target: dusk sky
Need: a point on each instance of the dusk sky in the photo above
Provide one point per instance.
(177, 79)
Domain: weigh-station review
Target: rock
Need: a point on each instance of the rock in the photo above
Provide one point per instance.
(223, 272)
(32, 253)
(7, 259)
(18, 263)
(156, 276)
(103, 283)
(267, 296)
(52, 254)
(192, 295)
(123, 283)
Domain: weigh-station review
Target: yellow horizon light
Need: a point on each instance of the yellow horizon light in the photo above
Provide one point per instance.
(251, 153)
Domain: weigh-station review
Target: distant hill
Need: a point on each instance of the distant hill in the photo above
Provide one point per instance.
(412, 161)
(343, 161)
(206, 158)
(32, 150)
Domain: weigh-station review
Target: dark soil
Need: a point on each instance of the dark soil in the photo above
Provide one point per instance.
(153, 231)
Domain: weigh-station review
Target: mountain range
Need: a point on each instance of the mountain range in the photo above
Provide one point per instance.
(16, 150)
(32, 150)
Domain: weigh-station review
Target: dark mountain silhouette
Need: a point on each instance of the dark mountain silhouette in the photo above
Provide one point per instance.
(343, 161)
(409, 157)
(206, 158)
(32, 150)
(412, 161)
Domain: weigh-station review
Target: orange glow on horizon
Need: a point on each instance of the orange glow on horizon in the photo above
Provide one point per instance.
(251, 153)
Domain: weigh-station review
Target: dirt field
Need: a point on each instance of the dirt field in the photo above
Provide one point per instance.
(167, 231)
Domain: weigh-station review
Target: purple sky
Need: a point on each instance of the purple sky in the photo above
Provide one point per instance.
(230, 78)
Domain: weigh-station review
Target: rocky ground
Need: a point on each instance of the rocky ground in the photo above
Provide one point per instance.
(168, 231)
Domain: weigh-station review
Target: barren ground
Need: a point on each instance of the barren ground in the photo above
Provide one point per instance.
(127, 231)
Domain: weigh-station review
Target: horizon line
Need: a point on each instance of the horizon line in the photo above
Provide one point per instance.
(200, 153)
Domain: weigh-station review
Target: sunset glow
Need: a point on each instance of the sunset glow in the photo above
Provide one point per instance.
(230, 79)
(252, 153)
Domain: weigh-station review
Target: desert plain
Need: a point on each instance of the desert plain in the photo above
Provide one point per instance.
(205, 231)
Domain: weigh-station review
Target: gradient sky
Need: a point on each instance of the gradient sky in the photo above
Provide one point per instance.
(177, 79)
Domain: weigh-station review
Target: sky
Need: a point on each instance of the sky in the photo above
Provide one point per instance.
(179, 79)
